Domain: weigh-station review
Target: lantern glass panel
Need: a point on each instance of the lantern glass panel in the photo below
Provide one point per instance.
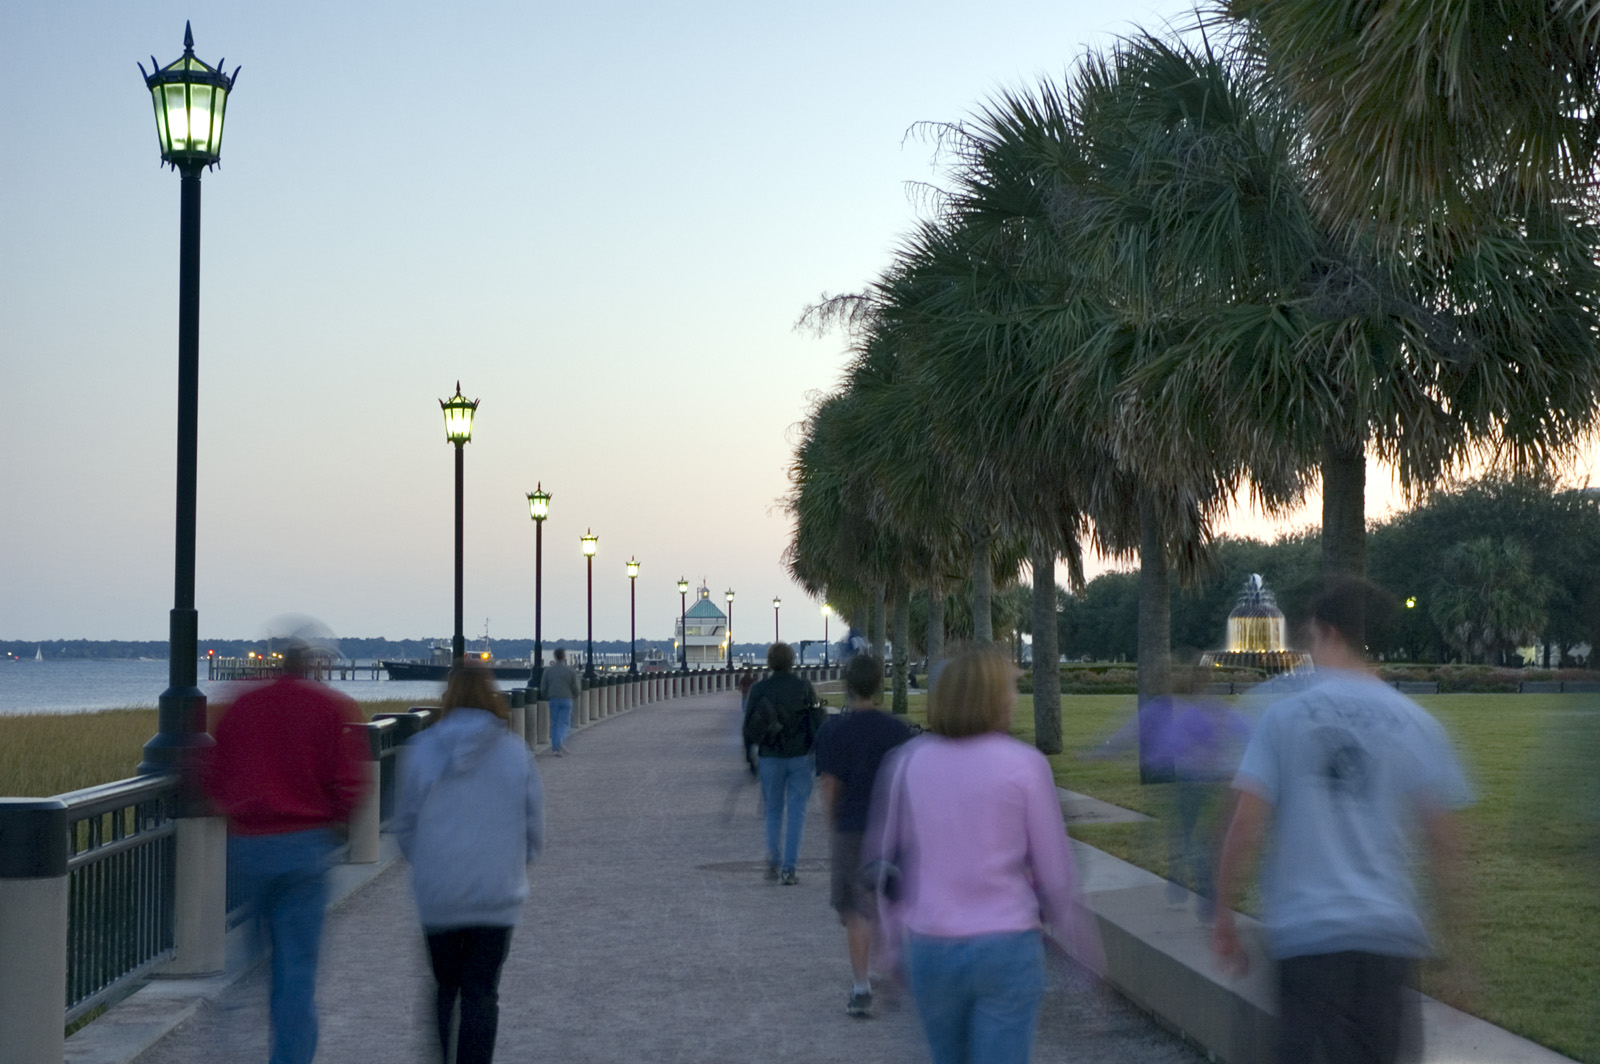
(156, 95)
(219, 107)
(200, 118)
(177, 118)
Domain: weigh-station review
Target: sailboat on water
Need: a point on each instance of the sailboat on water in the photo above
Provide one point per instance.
(38, 653)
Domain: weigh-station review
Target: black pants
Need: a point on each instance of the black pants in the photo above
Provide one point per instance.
(466, 965)
(1353, 1005)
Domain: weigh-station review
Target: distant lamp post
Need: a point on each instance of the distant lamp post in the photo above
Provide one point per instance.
(729, 596)
(776, 602)
(458, 414)
(633, 616)
(590, 543)
(190, 100)
(538, 509)
(683, 624)
(827, 612)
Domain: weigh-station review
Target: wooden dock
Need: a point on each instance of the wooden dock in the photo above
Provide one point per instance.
(265, 668)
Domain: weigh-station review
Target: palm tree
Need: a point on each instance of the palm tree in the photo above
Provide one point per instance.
(1488, 597)
(1430, 110)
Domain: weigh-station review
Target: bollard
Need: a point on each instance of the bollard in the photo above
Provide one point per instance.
(519, 720)
(199, 891)
(541, 723)
(33, 930)
(364, 818)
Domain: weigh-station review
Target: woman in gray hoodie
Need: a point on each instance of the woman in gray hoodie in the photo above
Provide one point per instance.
(470, 819)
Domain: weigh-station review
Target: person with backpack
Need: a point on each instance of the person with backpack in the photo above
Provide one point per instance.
(850, 747)
(781, 720)
(469, 819)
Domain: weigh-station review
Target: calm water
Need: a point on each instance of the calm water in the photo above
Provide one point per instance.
(70, 686)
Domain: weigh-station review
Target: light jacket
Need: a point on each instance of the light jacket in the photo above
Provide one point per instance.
(469, 818)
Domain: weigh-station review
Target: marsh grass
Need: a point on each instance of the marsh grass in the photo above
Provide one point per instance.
(45, 754)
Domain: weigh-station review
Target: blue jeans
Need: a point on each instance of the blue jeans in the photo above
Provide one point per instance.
(282, 878)
(978, 997)
(560, 722)
(786, 784)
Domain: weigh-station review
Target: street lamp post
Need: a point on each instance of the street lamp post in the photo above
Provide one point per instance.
(190, 100)
(776, 602)
(633, 616)
(458, 414)
(590, 542)
(729, 595)
(538, 509)
(683, 625)
(827, 610)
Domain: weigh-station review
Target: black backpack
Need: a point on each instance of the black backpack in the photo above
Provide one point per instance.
(766, 722)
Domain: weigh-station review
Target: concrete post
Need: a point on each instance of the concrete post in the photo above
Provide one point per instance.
(364, 818)
(610, 707)
(541, 718)
(33, 930)
(200, 894)
(519, 720)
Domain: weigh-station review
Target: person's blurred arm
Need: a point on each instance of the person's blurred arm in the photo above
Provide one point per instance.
(1251, 814)
(1441, 832)
(830, 785)
(408, 797)
(351, 754)
(533, 811)
(1055, 875)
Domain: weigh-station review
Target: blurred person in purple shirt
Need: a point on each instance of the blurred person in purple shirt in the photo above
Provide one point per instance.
(970, 821)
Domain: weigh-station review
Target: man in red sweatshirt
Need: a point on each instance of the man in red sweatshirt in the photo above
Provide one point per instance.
(287, 772)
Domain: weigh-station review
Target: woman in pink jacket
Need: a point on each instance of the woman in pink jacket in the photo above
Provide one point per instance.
(970, 819)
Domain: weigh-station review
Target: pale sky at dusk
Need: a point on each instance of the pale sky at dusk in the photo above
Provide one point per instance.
(602, 218)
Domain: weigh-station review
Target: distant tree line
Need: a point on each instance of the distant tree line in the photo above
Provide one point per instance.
(1486, 566)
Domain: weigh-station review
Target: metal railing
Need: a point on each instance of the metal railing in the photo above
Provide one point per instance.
(121, 871)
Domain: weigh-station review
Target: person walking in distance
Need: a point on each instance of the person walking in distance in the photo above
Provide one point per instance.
(558, 685)
(850, 747)
(470, 819)
(286, 771)
(1342, 778)
(782, 721)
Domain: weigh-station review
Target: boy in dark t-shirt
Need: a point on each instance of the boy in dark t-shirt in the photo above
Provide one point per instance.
(849, 748)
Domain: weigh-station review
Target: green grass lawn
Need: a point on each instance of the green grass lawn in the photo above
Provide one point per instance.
(1532, 853)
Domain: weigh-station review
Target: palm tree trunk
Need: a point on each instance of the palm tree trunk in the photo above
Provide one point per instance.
(1155, 642)
(982, 591)
(935, 623)
(1046, 654)
(1344, 511)
(878, 621)
(902, 646)
(1344, 514)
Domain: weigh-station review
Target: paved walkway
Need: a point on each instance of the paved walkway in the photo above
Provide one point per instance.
(650, 936)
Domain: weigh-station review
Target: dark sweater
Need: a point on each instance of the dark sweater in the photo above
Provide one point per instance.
(798, 709)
